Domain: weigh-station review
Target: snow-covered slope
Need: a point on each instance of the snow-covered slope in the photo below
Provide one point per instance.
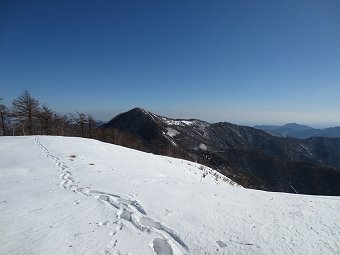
(79, 196)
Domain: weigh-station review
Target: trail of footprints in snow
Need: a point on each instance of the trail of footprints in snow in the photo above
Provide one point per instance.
(128, 210)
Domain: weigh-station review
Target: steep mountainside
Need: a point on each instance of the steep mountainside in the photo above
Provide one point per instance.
(249, 156)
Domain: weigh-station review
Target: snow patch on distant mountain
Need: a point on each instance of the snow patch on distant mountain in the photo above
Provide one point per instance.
(171, 132)
(177, 122)
(202, 146)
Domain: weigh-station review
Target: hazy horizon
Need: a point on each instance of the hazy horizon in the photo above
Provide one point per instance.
(107, 114)
(248, 63)
(176, 115)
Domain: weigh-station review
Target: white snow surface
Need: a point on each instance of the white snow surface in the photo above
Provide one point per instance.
(171, 132)
(63, 195)
(202, 146)
(178, 122)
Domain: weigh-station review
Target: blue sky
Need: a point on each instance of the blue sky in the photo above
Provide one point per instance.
(246, 62)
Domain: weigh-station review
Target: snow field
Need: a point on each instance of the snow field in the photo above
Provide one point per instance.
(80, 196)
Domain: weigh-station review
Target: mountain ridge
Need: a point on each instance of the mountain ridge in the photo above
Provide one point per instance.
(299, 131)
(241, 153)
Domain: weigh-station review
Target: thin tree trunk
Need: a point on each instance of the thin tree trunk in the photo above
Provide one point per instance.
(3, 125)
(82, 129)
(90, 130)
(29, 121)
(23, 128)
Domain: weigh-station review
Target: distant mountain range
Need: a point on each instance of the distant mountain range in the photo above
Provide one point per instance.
(300, 131)
(99, 123)
(249, 156)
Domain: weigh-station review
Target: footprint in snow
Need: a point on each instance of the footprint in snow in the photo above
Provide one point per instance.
(161, 247)
(100, 223)
(221, 244)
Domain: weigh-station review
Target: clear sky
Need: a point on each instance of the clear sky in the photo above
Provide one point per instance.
(247, 62)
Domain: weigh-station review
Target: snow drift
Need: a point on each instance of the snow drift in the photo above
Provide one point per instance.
(63, 195)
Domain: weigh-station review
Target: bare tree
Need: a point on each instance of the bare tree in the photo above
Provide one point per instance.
(91, 124)
(66, 123)
(46, 118)
(80, 120)
(26, 109)
(61, 125)
(4, 115)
